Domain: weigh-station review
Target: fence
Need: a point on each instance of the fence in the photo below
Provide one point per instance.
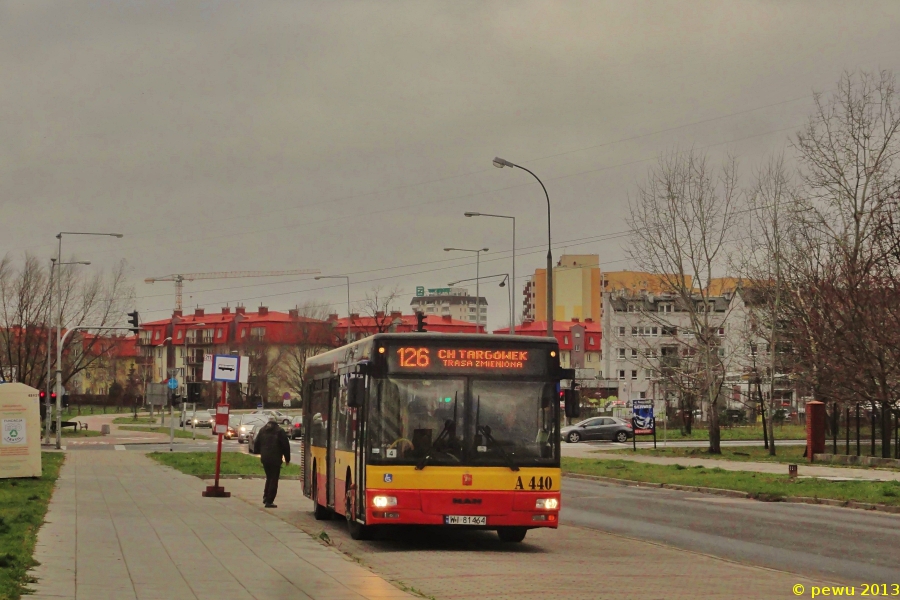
(855, 429)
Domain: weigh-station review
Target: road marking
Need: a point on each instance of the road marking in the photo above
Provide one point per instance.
(119, 447)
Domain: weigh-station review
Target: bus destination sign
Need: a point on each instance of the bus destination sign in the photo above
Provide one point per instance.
(452, 359)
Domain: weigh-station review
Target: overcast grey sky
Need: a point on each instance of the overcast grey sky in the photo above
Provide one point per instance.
(351, 136)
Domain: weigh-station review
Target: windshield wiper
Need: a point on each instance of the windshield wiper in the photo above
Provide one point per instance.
(449, 429)
(486, 430)
(448, 425)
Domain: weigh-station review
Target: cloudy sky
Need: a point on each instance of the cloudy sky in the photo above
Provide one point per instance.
(351, 136)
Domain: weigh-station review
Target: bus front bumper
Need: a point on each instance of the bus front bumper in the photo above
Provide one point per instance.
(444, 507)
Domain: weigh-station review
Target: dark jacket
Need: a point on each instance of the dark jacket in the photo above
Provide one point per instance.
(272, 443)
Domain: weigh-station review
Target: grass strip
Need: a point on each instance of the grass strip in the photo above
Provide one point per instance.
(784, 454)
(749, 432)
(178, 432)
(759, 485)
(23, 504)
(204, 463)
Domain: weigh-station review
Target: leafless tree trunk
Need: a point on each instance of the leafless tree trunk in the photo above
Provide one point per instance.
(682, 220)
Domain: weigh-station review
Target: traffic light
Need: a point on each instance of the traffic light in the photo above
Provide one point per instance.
(43, 396)
(134, 322)
(420, 322)
(193, 392)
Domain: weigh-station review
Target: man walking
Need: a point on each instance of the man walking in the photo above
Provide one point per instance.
(273, 444)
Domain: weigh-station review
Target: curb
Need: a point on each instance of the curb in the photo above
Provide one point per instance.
(282, 478)
(738, 494)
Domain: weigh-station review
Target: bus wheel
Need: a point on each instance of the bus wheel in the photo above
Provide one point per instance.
(512, 534)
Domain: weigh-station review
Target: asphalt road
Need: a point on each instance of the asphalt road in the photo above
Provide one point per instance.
(837, 543)
(688, 443)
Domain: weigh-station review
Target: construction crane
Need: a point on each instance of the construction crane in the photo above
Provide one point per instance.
(180, 278)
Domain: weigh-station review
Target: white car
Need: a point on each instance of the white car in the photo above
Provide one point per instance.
(280, 416)
(247, 423)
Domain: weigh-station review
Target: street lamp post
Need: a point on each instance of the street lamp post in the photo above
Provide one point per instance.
(59, 325)
(500, 163)
(477, 278)
(512, 281)
(503, 283)
(349, 318)
(48, 417)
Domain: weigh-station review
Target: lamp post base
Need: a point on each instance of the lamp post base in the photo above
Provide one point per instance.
(216, 491)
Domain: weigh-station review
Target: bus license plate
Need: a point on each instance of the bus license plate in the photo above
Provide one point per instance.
(464, 520)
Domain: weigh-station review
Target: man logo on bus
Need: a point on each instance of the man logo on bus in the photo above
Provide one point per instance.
(388, 478)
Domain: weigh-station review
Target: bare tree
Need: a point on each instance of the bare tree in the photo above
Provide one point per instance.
(98, 300)
(312, 335)
(682, 220)
(379, 304)
(771, 218)
(848, 153)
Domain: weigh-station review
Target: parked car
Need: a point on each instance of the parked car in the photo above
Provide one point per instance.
(280, 416)
(296, 427)
(598, 428)
(246, 424)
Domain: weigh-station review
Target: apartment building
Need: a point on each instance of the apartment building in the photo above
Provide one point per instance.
(576, 290)
(646, 333)
(276, 343)
(580, 344)
(453, 302)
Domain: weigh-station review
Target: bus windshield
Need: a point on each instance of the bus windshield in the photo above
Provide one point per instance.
(462, 422)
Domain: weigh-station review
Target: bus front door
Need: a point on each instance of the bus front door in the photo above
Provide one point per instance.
(334, 392)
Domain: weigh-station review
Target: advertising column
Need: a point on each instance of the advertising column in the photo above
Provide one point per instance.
(20, 427)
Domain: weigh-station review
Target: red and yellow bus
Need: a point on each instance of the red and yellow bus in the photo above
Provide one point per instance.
(449, 430)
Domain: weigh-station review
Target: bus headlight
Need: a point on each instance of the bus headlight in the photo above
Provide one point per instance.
(546, 504)
(383, 501)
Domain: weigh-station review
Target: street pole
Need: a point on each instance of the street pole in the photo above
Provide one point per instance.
(477, 280)
(478, 289)
(512, 321)
(49, 416)
(59, 325)
(500, 163)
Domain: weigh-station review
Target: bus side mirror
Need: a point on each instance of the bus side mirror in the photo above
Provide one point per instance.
(573, 403)
(356, 391)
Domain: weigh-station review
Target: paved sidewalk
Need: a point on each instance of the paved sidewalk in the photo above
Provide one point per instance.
(804, 469)
(122, 527)
(571, 562)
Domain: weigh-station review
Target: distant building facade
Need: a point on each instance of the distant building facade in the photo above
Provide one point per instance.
(453, 302)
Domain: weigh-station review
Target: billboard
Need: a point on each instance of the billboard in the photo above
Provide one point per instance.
(20, 427)
(642, 420)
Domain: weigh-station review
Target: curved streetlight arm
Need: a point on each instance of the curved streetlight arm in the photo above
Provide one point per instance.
(500, 163)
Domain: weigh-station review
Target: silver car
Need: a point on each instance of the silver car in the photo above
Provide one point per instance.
(203, 418)
(247, 423)
(598, 428)
(279, 416)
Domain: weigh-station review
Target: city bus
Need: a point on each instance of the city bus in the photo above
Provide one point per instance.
(452, 430)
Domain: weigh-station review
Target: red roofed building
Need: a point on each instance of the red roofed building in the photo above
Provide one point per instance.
(277, 343)
(363, 326)
(579, 341)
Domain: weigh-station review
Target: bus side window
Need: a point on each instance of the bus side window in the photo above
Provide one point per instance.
(318, 411)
